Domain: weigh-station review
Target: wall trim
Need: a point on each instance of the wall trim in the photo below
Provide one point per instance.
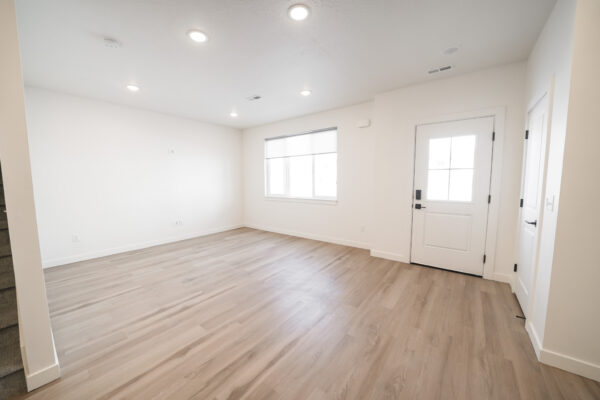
(390, 256)
(54, 262)
(321, 238)
(562, 361)
(570, 364)
(43, 376)
(501, 277)
(534, 338)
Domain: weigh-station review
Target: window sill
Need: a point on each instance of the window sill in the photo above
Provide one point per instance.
(329, 202)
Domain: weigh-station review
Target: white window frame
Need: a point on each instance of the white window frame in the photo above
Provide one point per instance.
(287, 197)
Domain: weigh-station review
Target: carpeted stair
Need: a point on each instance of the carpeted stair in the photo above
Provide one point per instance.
(12, 377)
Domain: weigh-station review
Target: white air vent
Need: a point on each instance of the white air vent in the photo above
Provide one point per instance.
(439, 69)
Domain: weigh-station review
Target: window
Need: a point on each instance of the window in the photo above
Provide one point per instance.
(451, 166)
(302, 166)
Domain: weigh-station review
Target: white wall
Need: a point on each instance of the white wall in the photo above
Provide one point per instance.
(572, 338)
(39, 356)
(376, 164)
(345, 222)
(118, 178)
(550, 60)
(396, 114)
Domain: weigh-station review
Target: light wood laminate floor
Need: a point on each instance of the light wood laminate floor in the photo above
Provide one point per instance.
(247, 314)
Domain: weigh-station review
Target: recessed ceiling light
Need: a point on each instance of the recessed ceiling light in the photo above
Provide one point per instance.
(233, 114)
(197, 36)
(132, 87)
(306, 92)
(298, 12)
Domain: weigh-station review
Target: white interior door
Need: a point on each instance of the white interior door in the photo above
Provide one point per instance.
(531, 203)
(453, 163)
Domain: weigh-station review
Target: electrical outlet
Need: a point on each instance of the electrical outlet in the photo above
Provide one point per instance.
(75, 238)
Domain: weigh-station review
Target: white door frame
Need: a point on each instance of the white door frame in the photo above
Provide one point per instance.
(549, 94)
(499, 115)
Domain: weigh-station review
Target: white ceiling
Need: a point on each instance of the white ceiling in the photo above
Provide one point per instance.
(346, 52)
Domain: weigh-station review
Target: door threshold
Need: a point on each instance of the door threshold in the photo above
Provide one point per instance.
(448, 270)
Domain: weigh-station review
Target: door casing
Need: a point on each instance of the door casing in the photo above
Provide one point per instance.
(499, 115)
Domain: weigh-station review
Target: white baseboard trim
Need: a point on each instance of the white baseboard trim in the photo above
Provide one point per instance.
(571, 364)
(43, 376)
(534, 338)
(389, 256)
(328, 239)
(54, 262)
(562, 361)
(500, 277)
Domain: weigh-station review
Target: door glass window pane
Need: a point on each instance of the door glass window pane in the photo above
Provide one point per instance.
(463, 151)
(437, 184)
(301, 175)
(439, 153)
(276, 174)
(326, 175)
(461, 185)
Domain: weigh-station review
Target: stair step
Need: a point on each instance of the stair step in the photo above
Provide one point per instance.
(3, 218)
(7, 274)
(13, 384)
(10, 348)
(8, 308)
(4, 250)
(4, 238)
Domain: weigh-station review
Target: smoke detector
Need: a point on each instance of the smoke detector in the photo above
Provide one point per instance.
(112, 43)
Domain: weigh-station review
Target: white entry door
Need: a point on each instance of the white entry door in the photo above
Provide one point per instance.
(531, 203)
(453, 163)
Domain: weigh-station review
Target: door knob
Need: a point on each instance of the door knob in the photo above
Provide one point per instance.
(534, 223)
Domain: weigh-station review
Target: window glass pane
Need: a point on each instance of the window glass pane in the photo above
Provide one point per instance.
(326, 175)
(274, 148)
(325, 142)
(463, 151)
(439, 153)
(301, 176)
(276, 174)
(437, 184)
(461, 184)
(298, 145)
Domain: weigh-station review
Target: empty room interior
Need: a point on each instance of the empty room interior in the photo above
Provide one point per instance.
(312, 200)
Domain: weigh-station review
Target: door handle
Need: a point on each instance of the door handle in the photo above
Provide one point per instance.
(534, 223)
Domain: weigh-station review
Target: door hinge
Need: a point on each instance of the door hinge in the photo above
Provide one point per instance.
(484, 257)
(489, 198)
(527, 134)
(493, 136)
(515, 268)
(521, 203)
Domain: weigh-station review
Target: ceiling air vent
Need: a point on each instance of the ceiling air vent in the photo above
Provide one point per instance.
(253, 97)
(439, 69)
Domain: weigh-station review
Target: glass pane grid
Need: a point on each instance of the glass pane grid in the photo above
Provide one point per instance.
(302, 166)
(451, 168)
